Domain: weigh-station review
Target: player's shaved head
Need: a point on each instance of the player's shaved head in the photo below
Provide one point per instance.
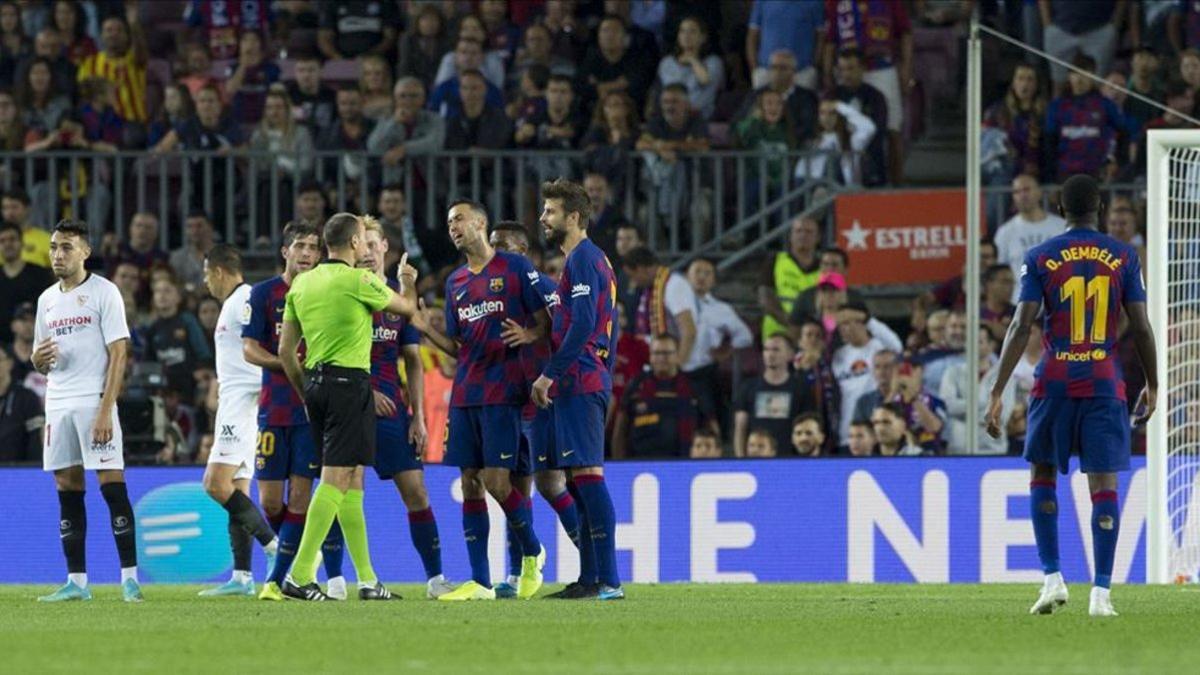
(1080, 197)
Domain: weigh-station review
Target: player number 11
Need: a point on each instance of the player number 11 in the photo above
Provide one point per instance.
(1079, 293)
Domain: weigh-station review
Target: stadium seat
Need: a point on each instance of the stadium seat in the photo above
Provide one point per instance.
(342, 70)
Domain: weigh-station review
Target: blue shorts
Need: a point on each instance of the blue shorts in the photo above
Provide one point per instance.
(286, 451)
(537, 436)
(483, 436)
(393, 453)
(1096, 429)
(579, 429)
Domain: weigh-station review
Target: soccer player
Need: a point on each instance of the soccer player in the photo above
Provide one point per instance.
(333, 305)
(484, 428)
(285, 443)
(231, 460)
(401, 437)
(579, 378)
(1083, 279)
(537, 425)
(82, 344)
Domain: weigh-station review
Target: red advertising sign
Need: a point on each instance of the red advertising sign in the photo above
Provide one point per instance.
(903, 237)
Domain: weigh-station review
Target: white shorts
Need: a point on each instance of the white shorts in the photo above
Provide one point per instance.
(235, 432)
(887, 81)
(67, 441)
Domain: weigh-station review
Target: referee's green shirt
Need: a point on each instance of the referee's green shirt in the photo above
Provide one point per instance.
(333, 303)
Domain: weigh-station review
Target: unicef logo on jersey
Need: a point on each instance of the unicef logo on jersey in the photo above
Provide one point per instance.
(182, 534)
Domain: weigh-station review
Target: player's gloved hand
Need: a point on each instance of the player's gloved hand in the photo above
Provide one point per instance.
(995, 406)
(516, 335)
(541, 391)
(46, 354)
(1146, 403)
(102, 428)
(384, 406)
(417, 435)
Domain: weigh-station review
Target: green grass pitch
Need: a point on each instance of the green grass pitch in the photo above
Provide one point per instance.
(658, 629)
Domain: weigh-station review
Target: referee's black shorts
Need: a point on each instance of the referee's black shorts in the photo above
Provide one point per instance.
(342, 414)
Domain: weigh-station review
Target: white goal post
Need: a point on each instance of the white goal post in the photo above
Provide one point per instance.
(1173, 293)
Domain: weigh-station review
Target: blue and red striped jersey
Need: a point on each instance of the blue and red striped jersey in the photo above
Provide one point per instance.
(1082, 278)
(278, 403)
(490, 372)
(392, 333)
(1087, 128)
(535, 356)
(585, 327)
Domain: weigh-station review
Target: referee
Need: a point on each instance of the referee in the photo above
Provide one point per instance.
(331, 307)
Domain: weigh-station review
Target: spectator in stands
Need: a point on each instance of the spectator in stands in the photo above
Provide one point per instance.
(674, 132)
(954, 393)
(21, 327)
(612, 65)
(188, 260)
(830, 295)
(702, 74)
(1121, 223)
(792, 272)
(197, 69)
(20, 282)
(209, 131)
(800, 103)
(661, 409)
(220, 25)
(311, 207)
(468, 55)
(14, 45)
(862, 439)
(610, 141)
(794, 28)
(176, 108)
(773, 399)
(42, 106)
(1031, 225)
(313, 104)
(815, 372)
(769, 132)
(852, 88)
(862, 337)
(924, 411)
(123, 62)
(411, 131)
(280, 141)
(68, 18)
(629, 237)
(948, 295)
(400, 230)
(761, 444)
(12, 128)
(21, 416)
(941, 354)
(843, 133)
(348, 136)
(1144, 79)
(375, 82)
(1020, 115)
(557, 129)
(14, 208)
(1189, 68)
(477, 125)
(537, 51)
(641, 40)
(883, 372)
(832, 259)
(48, 45)
(605, 217)
(530, 96)
(705, 445)
(567, 35)
(175, 339)
(892, 435)
(502, 35)
(207, 312)
(103, 129)
(1086, 28)
(421, 49)
(883, 35)
(719, 332)
(996, 310)
(140, 248)
(633, 353)
(1180, 96)
(666, 304)
(491, 64)
(1113, 86)
(128, 278)
(1082, 128)
(1183, 27)
(808, 435)
(352, 28)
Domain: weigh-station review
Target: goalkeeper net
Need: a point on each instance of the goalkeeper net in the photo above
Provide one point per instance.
(1173, 448)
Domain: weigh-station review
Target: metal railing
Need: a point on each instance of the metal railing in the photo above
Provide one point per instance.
(701, 198)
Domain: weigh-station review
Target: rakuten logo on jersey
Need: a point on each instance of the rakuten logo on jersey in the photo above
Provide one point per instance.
(382, 334)
(475, 312)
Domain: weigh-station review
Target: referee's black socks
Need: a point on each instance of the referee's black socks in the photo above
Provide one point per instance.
(72, 529)
(121, 512)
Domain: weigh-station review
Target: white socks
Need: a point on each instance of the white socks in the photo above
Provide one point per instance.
(272, 546)
(79, 579)
(128, 573)
(242, 577)
(1055, 579)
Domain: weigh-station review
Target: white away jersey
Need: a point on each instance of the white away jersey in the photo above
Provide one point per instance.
(236, 378)
(82, 322)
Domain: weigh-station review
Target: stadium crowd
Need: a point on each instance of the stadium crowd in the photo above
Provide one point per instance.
(829, 370)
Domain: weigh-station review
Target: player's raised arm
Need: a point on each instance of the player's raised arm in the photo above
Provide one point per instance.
(289, 358)
(404, 303)
(1014, 346)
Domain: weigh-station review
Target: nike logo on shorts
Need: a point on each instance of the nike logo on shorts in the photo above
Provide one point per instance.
(568, 453)
(541, 458)
(314, 466)
(508, 456)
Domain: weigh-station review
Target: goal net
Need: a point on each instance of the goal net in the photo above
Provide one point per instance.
(1173, 438)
